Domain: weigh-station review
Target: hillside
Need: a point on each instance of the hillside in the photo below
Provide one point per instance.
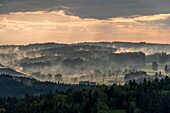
(100, 62)
(146, 97)
(20, 86)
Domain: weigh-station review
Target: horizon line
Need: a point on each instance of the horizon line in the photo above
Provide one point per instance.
(80, 42)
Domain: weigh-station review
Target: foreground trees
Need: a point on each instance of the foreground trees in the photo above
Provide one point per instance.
(146, 97)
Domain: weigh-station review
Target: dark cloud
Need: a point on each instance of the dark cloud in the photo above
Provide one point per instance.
(100, 9)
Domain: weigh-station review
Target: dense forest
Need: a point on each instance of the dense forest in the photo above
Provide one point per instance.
(20, 86)
(146, 97)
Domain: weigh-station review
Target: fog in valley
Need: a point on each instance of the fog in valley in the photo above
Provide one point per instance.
(93, 63)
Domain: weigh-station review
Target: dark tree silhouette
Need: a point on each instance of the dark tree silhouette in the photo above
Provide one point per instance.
(154, 65)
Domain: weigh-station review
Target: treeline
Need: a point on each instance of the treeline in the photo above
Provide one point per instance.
(146, 97)
(20, 86)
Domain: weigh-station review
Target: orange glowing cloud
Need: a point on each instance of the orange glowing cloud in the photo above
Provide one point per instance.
(56, 26)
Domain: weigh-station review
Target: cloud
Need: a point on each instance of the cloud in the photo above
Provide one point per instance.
(99, 9)
(30, 21)
(57, 26)
(149, 18)
(153, 17)
(10, 25)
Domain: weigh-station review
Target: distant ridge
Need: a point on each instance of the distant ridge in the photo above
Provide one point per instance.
(55, 43)
(21, 86)
(1, 65)
(10, 71)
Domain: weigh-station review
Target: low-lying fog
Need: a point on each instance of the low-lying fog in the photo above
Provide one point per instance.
(103, 62)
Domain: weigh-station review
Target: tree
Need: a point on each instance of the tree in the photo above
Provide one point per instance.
(154, 65)
(101, 107)
(166, 69)
(2, 110)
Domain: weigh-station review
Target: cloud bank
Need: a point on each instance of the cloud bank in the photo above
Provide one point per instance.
(70, 21)
(58, 26)
(99, 9)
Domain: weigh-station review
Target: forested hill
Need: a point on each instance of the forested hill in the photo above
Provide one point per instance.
(20, 86)
(146, 97)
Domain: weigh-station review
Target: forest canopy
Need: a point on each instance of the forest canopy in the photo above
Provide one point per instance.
(146, 97)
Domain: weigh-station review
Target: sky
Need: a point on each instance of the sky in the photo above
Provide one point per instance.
(72, 21)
